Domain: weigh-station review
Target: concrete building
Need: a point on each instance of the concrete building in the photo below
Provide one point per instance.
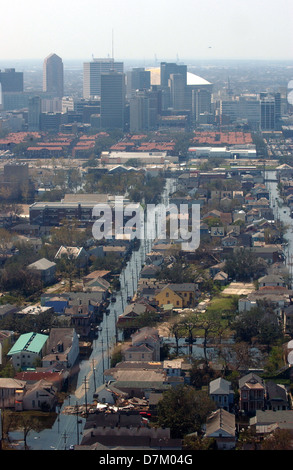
(112, 100)
(45, 269)
(92, 72)
(29, 348)
(137, 79)
(11, 81)
(34, 113)
(53, 75)
(143, 111)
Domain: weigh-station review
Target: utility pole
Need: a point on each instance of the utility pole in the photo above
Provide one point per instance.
(77, 423)
(94, 370)
(103, 357)
(65, 439)
(85, 394)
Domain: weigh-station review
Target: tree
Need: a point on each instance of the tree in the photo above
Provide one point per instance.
(280, 439)
(176, 329)
(242, 265)
(184, 410)
(260, 324)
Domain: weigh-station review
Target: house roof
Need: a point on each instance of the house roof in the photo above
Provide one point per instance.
(11, 383)
(251, 377)
(32, 342)
(42, 265)
(271, 278)
(270, 417)
(73, 251)
(221, 420)
(220, 385)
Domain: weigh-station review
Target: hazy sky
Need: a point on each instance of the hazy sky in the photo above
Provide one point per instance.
(144, 29)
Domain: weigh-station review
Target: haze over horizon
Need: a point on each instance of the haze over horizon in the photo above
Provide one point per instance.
(148, 30)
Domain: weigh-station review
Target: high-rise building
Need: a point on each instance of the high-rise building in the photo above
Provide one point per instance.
(137, 79)
(34, 113)
(92, 72)
(169, 96)
(143, 111)
(169, 68)
(177, 85)
(267, 113)
(11, 81)
(53, 75)
(112, 100)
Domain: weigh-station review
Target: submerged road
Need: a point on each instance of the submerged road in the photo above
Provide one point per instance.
(68, 428)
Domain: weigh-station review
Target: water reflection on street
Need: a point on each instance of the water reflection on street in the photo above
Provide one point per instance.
(67, 429)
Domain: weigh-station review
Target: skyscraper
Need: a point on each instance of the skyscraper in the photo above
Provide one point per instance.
(169, 68)
(112, 100)
(92, 72)
(143, 111)
(177, 85)
(137, 79)
(267, 112)
(34, 113)
(11, 81)
(53, 75)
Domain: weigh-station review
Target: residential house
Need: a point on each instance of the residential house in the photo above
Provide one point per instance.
(11, 393)
(108, 393)
(6, 339)
(58, 378)
(132, 311)
(83, 307)
(251, 393)
(239, 215)
(221, 278)
(266, 422)
(258, 238)
(7, 309)
(287, 314)
(41, 395)
(119, 251)
(220, 426)
(221, 392)
(271, 280)
(96, 274)
(279, 297)
(28, 349)
(138, 379)
(149, 339)
(217, 232)
(154, 259)
(177, 368)
(77, 254)
(131, 437)
(45, 270)
(270, 253)
(149, 271)
(216, 268)
(229, 240)
(179, 295)
(62, 347)
(141, 353)
(276, 397)
(98, 284)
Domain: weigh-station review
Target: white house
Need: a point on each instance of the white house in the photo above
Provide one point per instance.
(62, 347)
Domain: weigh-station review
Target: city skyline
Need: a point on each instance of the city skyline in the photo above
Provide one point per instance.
(226, 29)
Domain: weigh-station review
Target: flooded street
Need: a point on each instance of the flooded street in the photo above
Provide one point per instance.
(67, 429)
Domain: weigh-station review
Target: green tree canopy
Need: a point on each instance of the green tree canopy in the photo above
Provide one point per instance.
(184, 409)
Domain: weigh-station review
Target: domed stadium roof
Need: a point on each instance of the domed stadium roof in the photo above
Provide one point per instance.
(192, 79)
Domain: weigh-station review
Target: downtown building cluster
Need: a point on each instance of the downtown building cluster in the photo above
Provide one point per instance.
(141, 99)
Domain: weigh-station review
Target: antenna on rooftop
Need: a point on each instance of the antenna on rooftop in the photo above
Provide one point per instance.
(112, 44)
